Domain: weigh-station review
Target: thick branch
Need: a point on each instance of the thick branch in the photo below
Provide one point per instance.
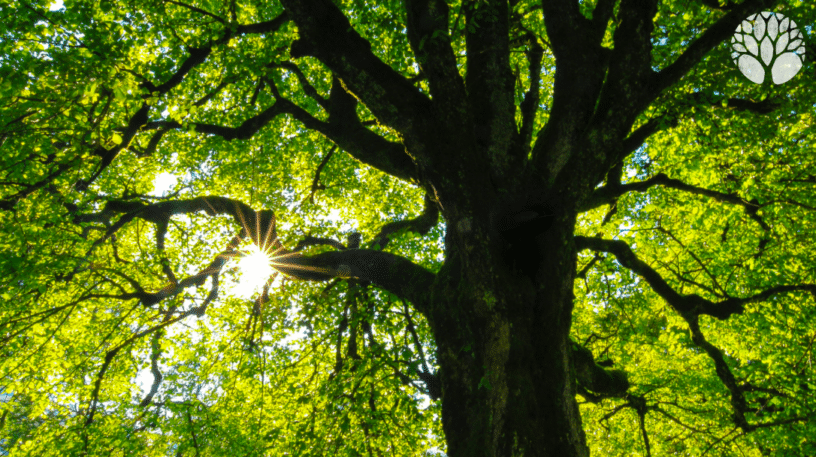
(490, 81)
(199, 55)
(427, 25)
(601, 15)
(630, 66)
(564, 24)
(715, 4)
(595, 378)
(766, 106)
(623, 94)
(420, 225)
(271, 26)
(433, 385)
(313, 241)
(343, 128)
(260, 225)
(627, 258)
(325, 33)
(735, 305)
(638, 137)
(641, 411)
(690, 307)
(346, 131)
(152, 144)
(391, 272)
(582, 64)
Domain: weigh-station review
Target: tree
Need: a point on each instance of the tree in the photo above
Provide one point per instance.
(521, 228)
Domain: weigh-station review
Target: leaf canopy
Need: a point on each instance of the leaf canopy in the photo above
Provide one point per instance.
(101, 103)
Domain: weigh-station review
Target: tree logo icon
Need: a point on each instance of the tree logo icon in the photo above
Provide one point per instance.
(768, 41)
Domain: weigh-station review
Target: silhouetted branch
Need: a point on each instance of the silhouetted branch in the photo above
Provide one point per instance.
(529, 105)
(155, 354)
(607, 194)
(427, 30)
(421, 225)
(308, 89)
(313, 241)
(391, 272)
(690, 307)
(316, 181)
(345, 130)
(197, 10)
(738, 403)
(197, 56)
(721, 31)
(600, 382)
(685, 305)
(111, 354)
(325, 33)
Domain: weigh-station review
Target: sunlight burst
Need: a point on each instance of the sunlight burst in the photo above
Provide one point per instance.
(256, 268)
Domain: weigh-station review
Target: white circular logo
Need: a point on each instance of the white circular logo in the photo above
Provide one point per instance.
(768, 41)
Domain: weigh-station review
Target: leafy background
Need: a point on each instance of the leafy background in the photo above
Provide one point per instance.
(237, 381)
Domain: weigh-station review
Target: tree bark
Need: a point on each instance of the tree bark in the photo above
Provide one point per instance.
(508, 386)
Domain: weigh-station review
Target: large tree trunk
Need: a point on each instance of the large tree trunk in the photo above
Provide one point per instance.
(508, 386)
(500, 307)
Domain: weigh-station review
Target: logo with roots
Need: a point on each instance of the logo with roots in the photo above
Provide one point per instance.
(768, 41)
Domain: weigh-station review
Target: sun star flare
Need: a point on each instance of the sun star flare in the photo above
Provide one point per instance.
(255, 267)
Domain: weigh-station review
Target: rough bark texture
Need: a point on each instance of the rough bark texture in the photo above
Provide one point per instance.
(507, 386)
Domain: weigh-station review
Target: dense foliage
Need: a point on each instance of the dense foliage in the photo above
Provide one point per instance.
(139, 138)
